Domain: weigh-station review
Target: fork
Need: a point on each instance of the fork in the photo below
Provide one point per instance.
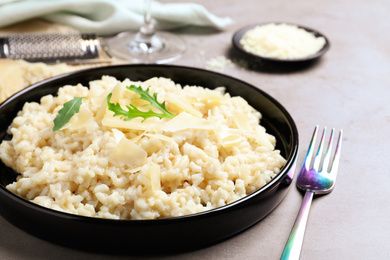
(316, 179)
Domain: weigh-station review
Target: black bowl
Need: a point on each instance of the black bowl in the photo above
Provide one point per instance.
(274, 61)
(152, 236)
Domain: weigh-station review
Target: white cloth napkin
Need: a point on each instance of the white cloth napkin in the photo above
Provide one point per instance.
(106, 17)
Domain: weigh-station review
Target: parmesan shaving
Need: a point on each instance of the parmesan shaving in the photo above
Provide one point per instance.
(182, 104)
(97, 101)
(161, 137)
(135, 124)
(262, 138)
(117, 93)
(185, 121)
(242, 121)
(83, 117)
(228, 137)
(128, 153)
(153, 172)
(213, 99)
(133, 170)
(118, 135)
(102, 109)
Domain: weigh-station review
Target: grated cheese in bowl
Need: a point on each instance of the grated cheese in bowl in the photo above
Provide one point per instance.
(281, 41)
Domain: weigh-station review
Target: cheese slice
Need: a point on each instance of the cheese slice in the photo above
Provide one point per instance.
(185, 121)
(182, 104)
(128, 153)
(228, 137)
(83, 117)
(242, 121)
(155, 176)
(135, 124)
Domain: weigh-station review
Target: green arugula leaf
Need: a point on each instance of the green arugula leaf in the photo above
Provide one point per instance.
(133, 112)
(66, 112)
(145, 95)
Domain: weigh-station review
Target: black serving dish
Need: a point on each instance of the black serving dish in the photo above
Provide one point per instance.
(152, 236)
(274, 61)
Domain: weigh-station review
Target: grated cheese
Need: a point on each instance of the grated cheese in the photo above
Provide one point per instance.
(281, 41)
(218, 63)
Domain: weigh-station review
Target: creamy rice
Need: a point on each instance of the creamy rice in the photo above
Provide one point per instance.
(212, 153)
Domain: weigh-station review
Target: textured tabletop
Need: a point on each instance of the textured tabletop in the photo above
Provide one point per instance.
(347, 88)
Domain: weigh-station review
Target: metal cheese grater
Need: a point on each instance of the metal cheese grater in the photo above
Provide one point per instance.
(49, 47)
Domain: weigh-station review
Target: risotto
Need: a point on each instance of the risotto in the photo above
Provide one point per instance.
(211, 153)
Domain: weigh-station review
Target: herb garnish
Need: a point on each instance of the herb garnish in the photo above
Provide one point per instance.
(66, 112)
(73, 106)
(134, 112)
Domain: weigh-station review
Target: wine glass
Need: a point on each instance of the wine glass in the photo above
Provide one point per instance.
(146, 45)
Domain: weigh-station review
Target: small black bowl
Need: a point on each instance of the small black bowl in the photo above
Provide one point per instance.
(274, 61)
(152, 236)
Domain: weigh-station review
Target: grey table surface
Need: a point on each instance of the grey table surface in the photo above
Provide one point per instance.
(348, 88)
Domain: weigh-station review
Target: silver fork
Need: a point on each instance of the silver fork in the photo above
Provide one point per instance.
(313, 180)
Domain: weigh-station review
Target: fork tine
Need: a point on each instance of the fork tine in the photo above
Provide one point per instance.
(309, 154)
(317, 159)
(336, 159)
(325, 164)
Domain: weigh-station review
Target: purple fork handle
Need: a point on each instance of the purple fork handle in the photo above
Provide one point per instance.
(293, 246)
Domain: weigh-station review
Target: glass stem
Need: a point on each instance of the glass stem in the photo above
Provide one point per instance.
(147, 29)
(146, 41)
